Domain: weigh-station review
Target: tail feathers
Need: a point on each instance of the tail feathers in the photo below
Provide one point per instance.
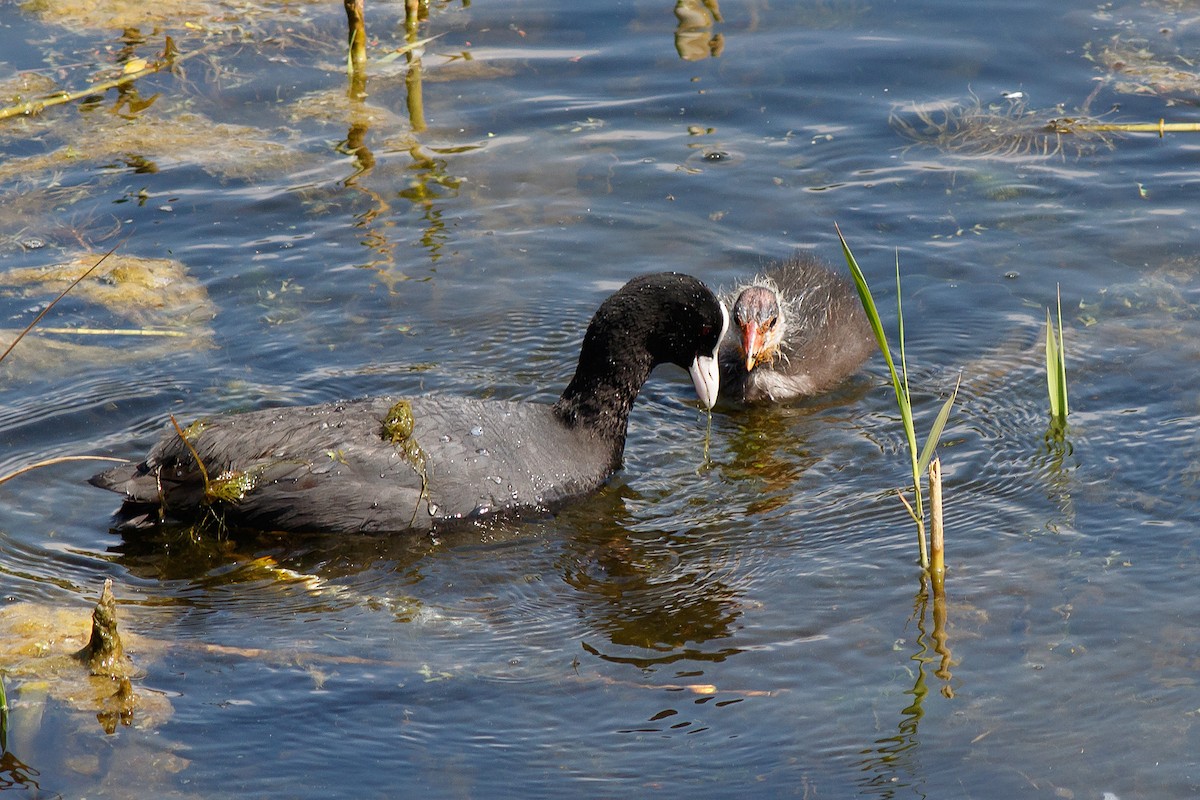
(131, 480)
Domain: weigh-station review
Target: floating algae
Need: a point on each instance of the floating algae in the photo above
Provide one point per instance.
(104, 655)
(42, 661)
(168, 308)
(398, 426)
(1008, 129)
(156, 292)
(233, 485)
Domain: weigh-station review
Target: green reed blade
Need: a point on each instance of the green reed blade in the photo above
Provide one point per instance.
(1056, 367)
(900, 387)
(935, 432)
(3, 717)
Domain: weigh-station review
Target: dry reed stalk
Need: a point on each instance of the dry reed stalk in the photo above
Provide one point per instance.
(937, 544)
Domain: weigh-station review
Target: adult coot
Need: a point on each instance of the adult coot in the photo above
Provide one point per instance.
(398, 464)
(799, 330)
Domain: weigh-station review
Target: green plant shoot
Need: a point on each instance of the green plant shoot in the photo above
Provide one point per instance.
(3, 717)
(919, 458)
(1056, 368)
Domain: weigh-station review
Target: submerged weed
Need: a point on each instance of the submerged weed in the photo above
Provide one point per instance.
(1007, 129)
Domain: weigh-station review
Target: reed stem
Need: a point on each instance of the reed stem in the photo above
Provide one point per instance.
(937, 544)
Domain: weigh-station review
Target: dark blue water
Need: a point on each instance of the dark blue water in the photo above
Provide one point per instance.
(746, 623)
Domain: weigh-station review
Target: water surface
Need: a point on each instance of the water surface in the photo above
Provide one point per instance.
(746, 621)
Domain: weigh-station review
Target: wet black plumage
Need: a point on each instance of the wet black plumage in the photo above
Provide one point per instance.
(344, 466)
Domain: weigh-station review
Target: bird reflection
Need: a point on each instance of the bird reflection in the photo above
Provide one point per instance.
(654, 596)
(768, 444)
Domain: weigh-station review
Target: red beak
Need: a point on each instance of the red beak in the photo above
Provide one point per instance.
(752, 342)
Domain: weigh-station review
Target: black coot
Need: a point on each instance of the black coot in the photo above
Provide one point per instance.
(799, 329)
(397, 464)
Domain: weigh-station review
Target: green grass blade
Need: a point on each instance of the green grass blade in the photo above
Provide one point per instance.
(935, 433)
(1056, 369)
(906, 405)
(1052, 370)
(868, 302)
(3, 717)
(1062, 360)
(901, 389)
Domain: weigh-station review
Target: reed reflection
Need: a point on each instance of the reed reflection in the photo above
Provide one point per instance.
(694, 37)
(427, 180)
(894, 762)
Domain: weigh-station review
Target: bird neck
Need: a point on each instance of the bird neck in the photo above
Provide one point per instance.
(612, 368)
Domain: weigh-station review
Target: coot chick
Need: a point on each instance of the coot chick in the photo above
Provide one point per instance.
(399, 464)
(799, 329)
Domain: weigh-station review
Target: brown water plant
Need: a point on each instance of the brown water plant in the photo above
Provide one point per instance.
(131, 71)
(1006, 129)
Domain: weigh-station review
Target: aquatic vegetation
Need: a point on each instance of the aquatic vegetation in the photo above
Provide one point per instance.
(1004, 129)
(1169, 290)
(132, 69)
(229, 487)
(168, 308)
(40, 654)
(158, 292)
(193, 431)
(1132, 67)
(104, 655)
(1056, 371)
(232, 486)
(398, 426)
(8, 352)
(904, 403)
(220, 149)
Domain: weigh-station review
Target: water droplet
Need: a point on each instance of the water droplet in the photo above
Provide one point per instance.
(444, 438)
(483, 451)
(477, 430)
